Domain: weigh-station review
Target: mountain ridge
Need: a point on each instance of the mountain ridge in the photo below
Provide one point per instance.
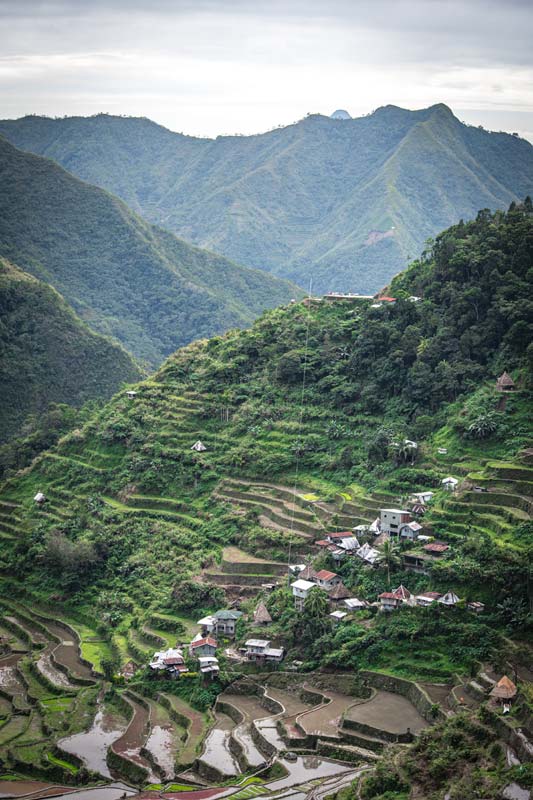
(302, 201)
(125, 277)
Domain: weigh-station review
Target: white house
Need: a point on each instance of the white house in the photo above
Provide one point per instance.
(131, 395)
(300, 591)
(389, 601)
(338, 616)
(208, 624)
(422, 497)
(170, 661)
(391, 519)
(226, 620)
(450, 484)
(39, 498)
(259, 650)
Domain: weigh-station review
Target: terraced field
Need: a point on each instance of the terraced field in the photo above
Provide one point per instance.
(494, 501)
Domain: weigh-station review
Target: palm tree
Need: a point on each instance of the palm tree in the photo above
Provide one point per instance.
(316, 603)
(390, 556)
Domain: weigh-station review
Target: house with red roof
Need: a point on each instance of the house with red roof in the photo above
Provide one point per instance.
(389, 601)
(202, 646)
(327, 580)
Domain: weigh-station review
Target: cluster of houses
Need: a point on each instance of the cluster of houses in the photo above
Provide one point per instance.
(390, 601)
(202, 649)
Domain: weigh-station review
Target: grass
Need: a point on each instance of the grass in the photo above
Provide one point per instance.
(61, 763)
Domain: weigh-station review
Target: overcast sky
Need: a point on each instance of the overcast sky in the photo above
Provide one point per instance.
(228, 66)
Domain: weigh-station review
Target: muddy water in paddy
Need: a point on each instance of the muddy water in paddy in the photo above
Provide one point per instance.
(388, 712)
(130, 743)
(326, 719)
(91, 746)
(216, 752)
(50, 671)
(35, 634)
(251, 709)
(164, 740)
(66, 652)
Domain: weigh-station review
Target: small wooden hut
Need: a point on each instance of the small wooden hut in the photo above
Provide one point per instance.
(261, 615)
(504, 691)
(505, 383)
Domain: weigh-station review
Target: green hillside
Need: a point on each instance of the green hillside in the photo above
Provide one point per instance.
(345, 202)
(304, 419)
(122, 276)
(48, 355)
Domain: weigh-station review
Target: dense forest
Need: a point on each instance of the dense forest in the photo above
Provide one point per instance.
(49, 356)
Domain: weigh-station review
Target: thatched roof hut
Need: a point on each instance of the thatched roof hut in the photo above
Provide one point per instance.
(505, 383)
(339, 592)
(261, 615)
(505, 689)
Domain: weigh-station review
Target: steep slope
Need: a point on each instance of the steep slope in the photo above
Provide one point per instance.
(48, 355)
(302, 417)
(344, 201)
(124, 277)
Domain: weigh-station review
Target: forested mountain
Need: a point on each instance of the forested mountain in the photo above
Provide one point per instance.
(123, 276)
(346, 202)
(48, 355)
(311, 421)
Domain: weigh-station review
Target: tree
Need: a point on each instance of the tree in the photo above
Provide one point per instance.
(316, 604)
(390, 556)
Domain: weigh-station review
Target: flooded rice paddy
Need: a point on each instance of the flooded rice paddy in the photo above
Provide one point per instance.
(216, 752)
(307, 768)
(91, 746)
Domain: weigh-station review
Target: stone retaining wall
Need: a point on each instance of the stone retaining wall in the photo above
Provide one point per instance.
(412, 691)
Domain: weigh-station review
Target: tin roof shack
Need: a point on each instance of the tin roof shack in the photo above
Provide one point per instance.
(168, 662)
(420, 561)
(388, 601)
(354, 604)
(209, 667)
(427, 599)
(410, 531)
(327, 580)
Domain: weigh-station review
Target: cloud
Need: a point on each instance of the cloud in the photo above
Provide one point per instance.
(211, 66)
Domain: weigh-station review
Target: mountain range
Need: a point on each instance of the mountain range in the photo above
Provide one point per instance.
(121, 275)
(344, 202)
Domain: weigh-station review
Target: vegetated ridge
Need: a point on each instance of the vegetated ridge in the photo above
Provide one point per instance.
(123, 277)
(48, 355)
(347, 202)
(304, 418)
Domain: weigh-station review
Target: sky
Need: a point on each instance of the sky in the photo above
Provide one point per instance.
(210, 67)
